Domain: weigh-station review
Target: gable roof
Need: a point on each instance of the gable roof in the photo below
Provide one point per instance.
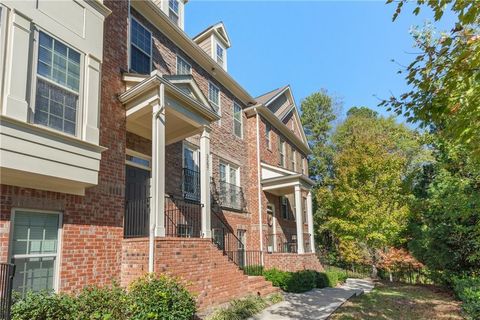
(189, 86)
(218, 29)
(286, 108)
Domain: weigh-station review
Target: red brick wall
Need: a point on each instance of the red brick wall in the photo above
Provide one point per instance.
(292, 262)
(92, 224)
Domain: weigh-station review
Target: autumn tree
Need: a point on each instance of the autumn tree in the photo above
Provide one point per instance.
(365, 200)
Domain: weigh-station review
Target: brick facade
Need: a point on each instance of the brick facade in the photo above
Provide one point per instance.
(293, 262)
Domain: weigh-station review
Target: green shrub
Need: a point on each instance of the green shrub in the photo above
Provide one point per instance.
(467, 289)
(300, 281)
(321, 280)
(160, 297)
(245, 308)
(44, 306)
(106, 303)
(255, 270)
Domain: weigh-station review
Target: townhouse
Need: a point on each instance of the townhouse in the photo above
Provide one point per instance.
(126, 147)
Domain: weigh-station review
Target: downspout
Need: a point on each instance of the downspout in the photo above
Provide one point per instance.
(259, 186)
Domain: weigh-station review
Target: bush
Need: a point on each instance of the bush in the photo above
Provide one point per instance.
(150, 297)
(255, 270)
(245, 308)
(299, 281)
(44, 306)
(467, 289)
(160, 297)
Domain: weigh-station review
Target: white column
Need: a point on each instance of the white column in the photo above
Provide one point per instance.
(299, 219)
(205, 182)
(158, 163)
(310, 221)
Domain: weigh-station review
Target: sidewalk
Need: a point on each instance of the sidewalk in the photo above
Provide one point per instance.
(315, 304)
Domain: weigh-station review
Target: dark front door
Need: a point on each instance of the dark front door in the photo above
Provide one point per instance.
(137, 199)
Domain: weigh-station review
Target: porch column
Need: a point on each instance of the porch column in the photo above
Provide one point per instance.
(158, 164)
(299, 219)
(310, 221)
(205, 182)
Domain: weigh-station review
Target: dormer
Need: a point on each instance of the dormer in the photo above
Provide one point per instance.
(215, 41)
(174, 9)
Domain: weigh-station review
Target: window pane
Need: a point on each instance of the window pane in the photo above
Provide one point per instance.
(182, 66)
(214, 94)
(55, 107)
(223, 170)
(140, 62)
(237, 128)
(33, 274)
(59, 64)
(173, 5)
(35, 233)
(141, 37)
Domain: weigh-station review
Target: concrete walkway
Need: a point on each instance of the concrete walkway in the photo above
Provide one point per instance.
(315, 304)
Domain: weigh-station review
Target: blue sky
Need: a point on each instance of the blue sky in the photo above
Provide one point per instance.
(345, 47)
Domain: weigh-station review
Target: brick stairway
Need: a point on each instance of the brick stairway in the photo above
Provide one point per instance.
(207, 272)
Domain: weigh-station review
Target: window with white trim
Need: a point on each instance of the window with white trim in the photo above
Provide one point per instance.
(35, 243)
(57, 85)
(214, 96)
(173, 11)
(293, 159)
(237, 120)
(284, 207)
(220, 54)
(303, 164)
(268, 133)
(229, 186)
(183, 67)
(281, 152)
(140, 48)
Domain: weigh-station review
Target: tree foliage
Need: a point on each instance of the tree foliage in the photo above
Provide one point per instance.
(318, 113)
(365, 200)
(445, 76)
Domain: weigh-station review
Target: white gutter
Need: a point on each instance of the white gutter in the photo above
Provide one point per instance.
(259, 184)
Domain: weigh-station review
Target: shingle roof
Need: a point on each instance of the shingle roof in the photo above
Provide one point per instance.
(266, 97)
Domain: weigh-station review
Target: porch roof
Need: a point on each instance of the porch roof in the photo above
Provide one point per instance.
(280, 181)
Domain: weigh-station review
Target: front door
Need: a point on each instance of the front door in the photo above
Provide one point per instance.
(137, 202)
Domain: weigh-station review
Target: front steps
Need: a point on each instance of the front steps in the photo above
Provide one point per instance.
(206, 271)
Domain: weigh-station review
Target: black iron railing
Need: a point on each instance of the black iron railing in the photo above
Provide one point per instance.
(191, 184)
(230, 196)
(183, 218)
(287, 243)
(7, 271)
(137, 213)
(247, 260)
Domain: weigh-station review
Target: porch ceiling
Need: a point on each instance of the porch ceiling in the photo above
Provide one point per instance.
(187, 111)
(280, 182)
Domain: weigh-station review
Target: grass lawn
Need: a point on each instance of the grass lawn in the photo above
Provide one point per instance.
(401, 302)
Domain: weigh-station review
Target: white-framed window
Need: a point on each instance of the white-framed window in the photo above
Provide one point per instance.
(293, 159)
(173, 11)
(183, 67)
(191, 172)
(237, 120)
(304, 210)
(229, 173)
(58, 85)
(140, 48)
(268, 134)
(137, 159)
(220, 54)
(303, 164)
(229, 186)
(35, 249)
(281, 152)
(214, 96)
(284, 207)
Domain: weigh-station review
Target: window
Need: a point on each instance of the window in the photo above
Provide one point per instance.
(214, 96)
(281, 152)
(230, 193)
(303, 165)
(304, 210)
(58, 85)
(268, 130)
(293, 159)
(284, 207)
(137, 159)
(220, 55)
(173, 10)
(140, 48)
(34, 250)
(237, 120)
(191, 175)
(183, 67)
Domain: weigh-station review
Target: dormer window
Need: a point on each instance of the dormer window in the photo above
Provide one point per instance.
(173, 11)
(220, 55)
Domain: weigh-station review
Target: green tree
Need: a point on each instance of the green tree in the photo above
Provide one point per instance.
(366, 201)
(445, 76)
(318, 113)
(445, 229)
